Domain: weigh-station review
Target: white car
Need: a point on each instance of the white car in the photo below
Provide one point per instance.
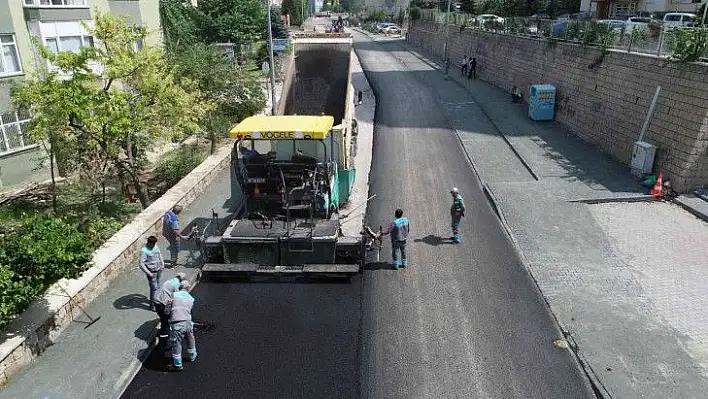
(392, 30)
(673, 19)
(483, 19)
(641, 23)
(382, 26)
(617, 26)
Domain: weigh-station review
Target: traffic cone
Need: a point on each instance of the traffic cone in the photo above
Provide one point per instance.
(658, 189)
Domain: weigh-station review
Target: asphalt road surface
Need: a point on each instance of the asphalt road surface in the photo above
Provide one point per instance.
(461, 321)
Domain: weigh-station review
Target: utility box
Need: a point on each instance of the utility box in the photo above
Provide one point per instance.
(542, 102)
(642, 158)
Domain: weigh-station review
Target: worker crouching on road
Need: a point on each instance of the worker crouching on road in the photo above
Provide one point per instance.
(457, 211)
(399, 230)
(152, 264)
(181, 326)
(163, 297)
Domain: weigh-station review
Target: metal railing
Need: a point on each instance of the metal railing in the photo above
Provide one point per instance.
(655, 39)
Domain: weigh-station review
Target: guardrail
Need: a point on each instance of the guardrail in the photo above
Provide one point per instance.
(655, 39)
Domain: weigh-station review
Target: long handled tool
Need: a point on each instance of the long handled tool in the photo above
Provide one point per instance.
(91, 321)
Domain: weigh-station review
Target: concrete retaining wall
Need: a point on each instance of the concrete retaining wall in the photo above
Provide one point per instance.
(38, 327)
(605, 105)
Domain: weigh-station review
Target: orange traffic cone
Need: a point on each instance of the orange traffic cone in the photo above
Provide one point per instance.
(658, 190)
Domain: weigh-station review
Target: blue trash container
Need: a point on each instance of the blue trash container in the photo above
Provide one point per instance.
(542, 102)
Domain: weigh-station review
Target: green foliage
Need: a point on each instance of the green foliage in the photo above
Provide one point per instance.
(35, 254)
(467, 6)
(232, 21)
(110, 129)
(424, 4)
(178, 19)
(689, 45)
(235, 90)
(276, 24)
(415, 13)
(296, 9)
(177, 164)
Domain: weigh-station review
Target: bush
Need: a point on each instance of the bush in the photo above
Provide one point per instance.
(415, 13)
(35, 254)
(178, 163)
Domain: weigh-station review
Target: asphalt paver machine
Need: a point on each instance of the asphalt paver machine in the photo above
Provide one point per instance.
(285, 169)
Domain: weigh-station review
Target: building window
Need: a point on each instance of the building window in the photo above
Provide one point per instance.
(68, 43)
(56, 3)
(13, 131)
(9, 57)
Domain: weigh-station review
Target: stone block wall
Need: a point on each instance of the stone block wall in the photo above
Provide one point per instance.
(605, 104)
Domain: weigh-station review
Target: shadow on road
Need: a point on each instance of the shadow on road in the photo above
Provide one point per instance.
(379, 266)
(433, 240)
(132, 301)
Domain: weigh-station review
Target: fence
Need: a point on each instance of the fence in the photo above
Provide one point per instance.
(654, 39)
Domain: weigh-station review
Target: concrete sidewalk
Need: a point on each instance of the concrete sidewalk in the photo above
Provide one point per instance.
(623, 278)
(100, 360)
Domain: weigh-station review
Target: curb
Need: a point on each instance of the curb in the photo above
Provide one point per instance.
(695, 212)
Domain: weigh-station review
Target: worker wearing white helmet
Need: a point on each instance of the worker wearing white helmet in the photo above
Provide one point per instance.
(457, 211)
(181, 326)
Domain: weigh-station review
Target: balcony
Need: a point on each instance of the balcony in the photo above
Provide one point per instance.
(56, 3)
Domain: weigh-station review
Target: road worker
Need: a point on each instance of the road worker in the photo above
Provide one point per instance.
(457, 211)
(399, 230)
(162, 300)
(171, 231)
(181, 326)
(151, 264)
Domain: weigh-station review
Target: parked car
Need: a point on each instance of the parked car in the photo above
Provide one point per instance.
(673, 19)
(483, 19)
(383, 25)
(616, 25)
(392, 30)
(641, 23)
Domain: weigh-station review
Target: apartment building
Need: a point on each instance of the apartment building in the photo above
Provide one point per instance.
(58, 25)
(621, 8)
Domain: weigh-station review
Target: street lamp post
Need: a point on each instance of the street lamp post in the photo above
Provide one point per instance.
(272, 63)
(447, 35)
(705, 9)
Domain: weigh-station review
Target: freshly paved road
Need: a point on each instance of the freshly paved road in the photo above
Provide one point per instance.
(461, 321)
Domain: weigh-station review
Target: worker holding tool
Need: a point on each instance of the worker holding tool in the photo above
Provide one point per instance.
(163, 297)
(151, 264)
(181, 326)
(399, 230)
(171, 231)
(457, 211)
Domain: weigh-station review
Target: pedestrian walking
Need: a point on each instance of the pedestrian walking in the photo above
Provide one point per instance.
(472, 74)
(399, 230)
(359, 96)
(463, 65)
(457, 211)
(171, 232)
(163, 297)
(151, 263)
(181, 326)
(447, 67)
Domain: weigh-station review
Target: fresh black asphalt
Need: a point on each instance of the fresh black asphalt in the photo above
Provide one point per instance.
(461, 321)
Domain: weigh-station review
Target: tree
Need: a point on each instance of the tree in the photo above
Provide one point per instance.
(178, 19)
(112, 101)
(235, 90)
(277, 26)
(296, 9)
(467, 6)
(234, 21)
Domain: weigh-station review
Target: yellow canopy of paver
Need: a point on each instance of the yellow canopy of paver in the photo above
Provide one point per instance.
(286, 127)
